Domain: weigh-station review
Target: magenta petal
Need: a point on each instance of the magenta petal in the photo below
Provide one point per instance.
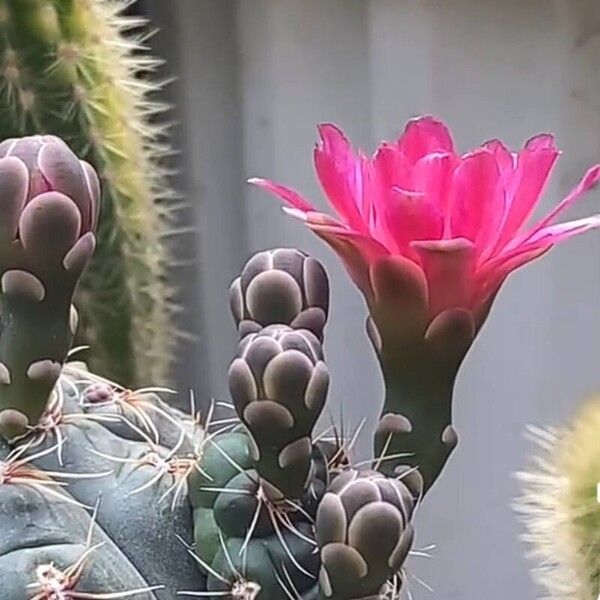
(534, 165)
(448, 267)
(476, 200)
(589, 180)
(552, 234)
(424, 135)
(432, 176)
(409, 216)
(286, 194)
(342, 176)
(505, 159)
(491, 276)
(392, 167)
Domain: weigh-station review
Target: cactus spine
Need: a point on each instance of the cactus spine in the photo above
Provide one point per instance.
(560, 509)
(72, 68)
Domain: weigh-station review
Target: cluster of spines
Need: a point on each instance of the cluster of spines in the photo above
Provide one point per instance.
(78, 69)
(559, 507)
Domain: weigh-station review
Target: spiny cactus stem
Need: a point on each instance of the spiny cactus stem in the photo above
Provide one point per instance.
(17, 469)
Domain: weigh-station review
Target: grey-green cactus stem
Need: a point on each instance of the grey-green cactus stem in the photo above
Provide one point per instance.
(49, 211)
(415, 429)
(51, 548)
(419, 358)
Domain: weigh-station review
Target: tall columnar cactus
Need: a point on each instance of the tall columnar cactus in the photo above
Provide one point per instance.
(75, 69)
(560, 508)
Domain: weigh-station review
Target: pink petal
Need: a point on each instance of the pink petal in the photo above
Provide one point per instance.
(534, 165)
(411, 216)
(448, 267)
(432, 176)
(552, 234)
(313, 218)
(589, 180)
(393, 168)
(286, 194)
(476, 200)
(340, 172)
(424, 135)
(505, 159)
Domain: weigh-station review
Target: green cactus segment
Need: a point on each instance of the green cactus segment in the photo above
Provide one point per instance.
(141, 486)
(560, 509)
(51, 547)
(419, 359)
(49, 211)
(248, 537)
(364, 534)
(72, 68)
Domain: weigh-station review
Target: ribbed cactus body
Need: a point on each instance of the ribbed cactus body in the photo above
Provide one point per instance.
(246, 530)
(71, 68)
(45, 535)
(140, 485)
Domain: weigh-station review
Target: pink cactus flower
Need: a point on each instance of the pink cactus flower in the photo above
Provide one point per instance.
(460, 220)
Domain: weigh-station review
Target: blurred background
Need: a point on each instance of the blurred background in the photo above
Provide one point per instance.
(254, 77)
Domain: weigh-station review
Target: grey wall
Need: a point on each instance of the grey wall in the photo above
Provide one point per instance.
(255, 76)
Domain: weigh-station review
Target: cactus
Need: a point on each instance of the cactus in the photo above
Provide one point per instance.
(72, 68)
(108, 492)
(280, 517)
(560, 509)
